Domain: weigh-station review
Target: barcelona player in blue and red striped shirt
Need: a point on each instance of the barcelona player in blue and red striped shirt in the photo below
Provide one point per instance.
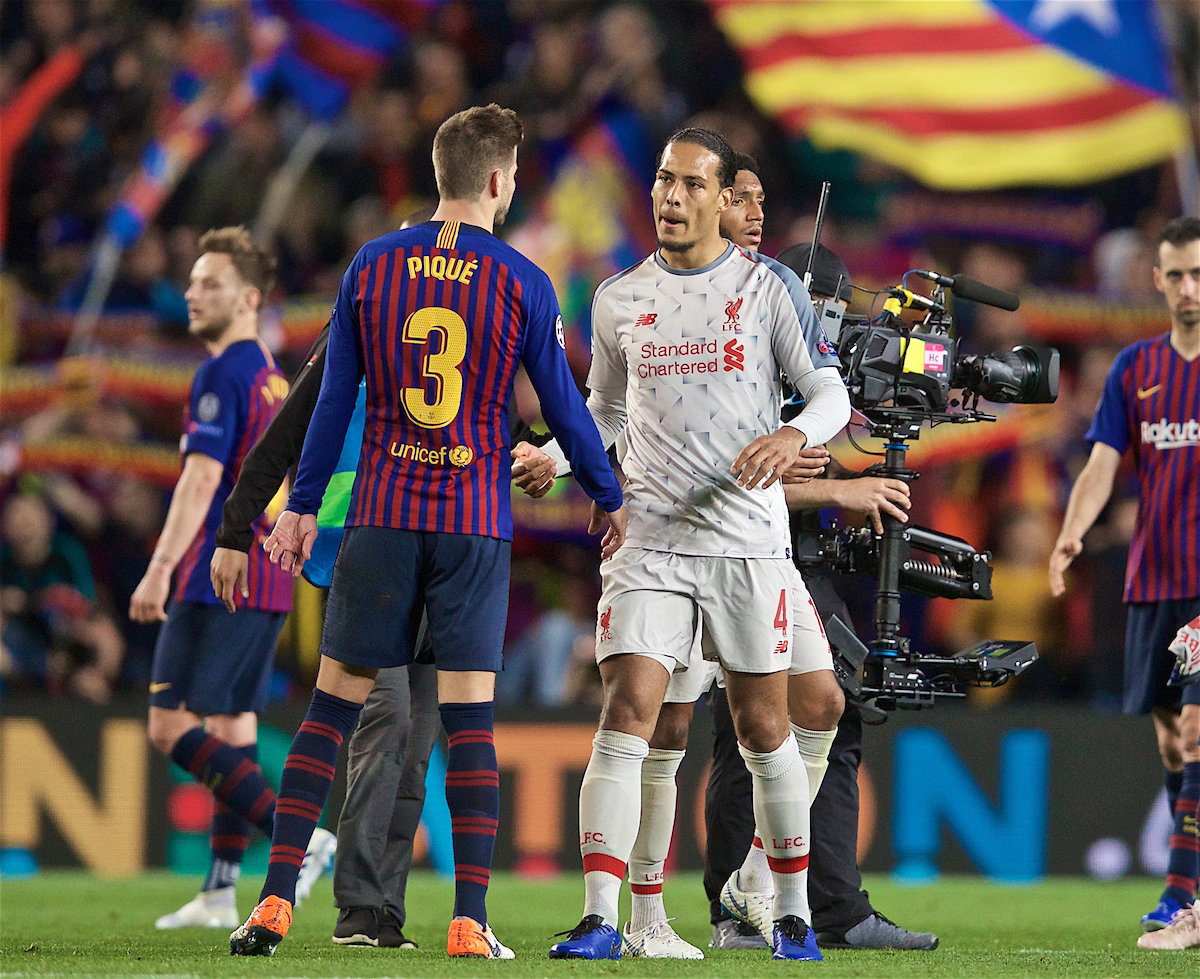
(1151, 407)
(211, 669)
(436, 318)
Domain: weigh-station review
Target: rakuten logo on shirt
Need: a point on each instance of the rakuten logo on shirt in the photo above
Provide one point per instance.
(1171, 435)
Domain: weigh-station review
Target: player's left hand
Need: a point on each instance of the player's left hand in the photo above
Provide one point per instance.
(618, 524)
(533, 471)
(228, 572)
(768, 457)
(291, 542)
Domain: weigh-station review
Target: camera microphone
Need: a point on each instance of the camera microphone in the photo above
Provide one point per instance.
(912, 301)
(969, 288)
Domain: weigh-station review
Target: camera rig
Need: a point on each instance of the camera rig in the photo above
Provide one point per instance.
(902, 377)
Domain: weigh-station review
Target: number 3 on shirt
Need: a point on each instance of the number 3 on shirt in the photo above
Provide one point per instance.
(442, 366)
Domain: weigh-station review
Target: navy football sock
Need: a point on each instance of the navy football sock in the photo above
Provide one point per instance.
(229, 774)
(229, 838)
(304, 787)
(473, 795)
(1183, 867)
(1173, 782)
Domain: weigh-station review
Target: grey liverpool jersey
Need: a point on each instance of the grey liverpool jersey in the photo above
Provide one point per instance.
(688, 364)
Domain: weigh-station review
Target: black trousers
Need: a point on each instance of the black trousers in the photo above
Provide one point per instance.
(834, 882)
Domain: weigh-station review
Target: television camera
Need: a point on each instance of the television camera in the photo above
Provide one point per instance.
(902, 377)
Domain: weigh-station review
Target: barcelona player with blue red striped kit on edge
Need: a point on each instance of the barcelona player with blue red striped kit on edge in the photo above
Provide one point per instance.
(1151, 406)
(211, 669)
(437, 318)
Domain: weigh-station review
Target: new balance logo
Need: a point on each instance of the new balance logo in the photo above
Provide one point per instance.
(735, 358)
(782, 647)
(646, 319)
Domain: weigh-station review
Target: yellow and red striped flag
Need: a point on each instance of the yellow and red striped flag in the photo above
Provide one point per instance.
(966, 94)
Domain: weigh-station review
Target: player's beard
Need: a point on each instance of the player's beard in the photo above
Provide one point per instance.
(677, 246)
(213, 328)
(501, 214)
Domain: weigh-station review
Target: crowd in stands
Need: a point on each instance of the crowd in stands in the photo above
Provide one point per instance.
(75, 545)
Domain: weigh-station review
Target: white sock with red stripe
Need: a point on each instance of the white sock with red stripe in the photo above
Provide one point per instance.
(781, 812)
(653, 843)
(814, 751)
(610, 804)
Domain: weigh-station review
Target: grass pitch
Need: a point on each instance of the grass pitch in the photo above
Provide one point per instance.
(73, 924)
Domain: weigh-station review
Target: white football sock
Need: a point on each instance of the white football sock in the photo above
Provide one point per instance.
(781, 813)
(653, 843)
(814, 751)
(610, 803)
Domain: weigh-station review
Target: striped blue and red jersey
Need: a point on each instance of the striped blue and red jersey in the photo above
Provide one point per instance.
(234, 397)
(1151, 404)
(437, 318)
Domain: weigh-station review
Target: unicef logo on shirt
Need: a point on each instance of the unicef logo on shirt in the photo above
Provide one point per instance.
(461, 456)
(208, 407)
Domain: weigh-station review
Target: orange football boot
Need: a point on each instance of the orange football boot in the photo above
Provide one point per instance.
(264, 929)
(469, 938)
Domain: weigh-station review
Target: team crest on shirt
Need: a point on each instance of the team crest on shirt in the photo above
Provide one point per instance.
(733, 309)
(461, 456)
(208, 407)
(605, 621)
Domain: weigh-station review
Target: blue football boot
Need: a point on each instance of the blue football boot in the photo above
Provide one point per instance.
(795, 940)
(590, 939)
(1161, 916)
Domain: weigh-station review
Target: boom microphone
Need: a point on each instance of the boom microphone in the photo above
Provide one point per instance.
(973, 289)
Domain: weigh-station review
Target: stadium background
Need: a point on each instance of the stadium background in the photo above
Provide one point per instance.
(127, 127)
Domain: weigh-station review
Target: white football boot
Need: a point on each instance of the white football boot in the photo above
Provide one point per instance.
(657, 941)
(208, 909)
(318, 858)
(751, 907)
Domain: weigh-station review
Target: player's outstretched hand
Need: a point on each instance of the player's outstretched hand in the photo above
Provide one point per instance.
(768, 457)
(875, 496)
(618, 524)
(149, 600)
(1065, 551)
(812, 462)
(291, 542)
(228, 572)
(533, 471)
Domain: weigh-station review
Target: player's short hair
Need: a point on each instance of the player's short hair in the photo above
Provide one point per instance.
(830, 277)
(470, 145)
(727, 167)
(1177, 233)
(255, 264)
(744, 161)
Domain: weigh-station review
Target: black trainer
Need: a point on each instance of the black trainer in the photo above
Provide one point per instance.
(357, 926)
(391, 935)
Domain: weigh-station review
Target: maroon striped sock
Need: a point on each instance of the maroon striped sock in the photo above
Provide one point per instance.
(473, 795)
(304, 787)
(229, 774)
